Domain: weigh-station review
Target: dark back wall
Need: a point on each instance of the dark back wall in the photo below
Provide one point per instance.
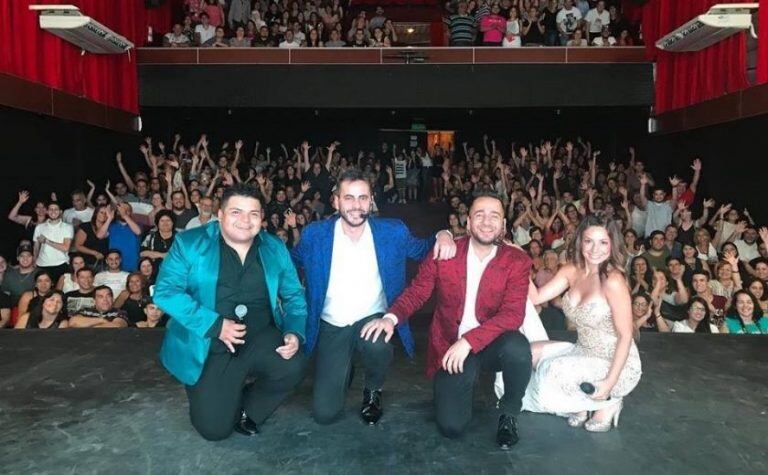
(44, 154)
(734, 160)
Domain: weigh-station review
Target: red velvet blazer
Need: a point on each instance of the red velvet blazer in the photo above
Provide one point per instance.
(500, 305)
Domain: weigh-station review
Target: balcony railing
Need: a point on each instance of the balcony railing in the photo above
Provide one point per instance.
(430, 55)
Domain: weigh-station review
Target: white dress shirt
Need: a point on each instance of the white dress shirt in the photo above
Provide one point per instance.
(355, 290)
(475, 269)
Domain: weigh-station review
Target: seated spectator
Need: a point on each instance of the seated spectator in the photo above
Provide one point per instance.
(716, 303)
(102, 314)
(21, 278)
(31, 298)
(697, 320)
(176, 38)
(148, 270)
(188, 28)
(335, 40)
(123, 234)
(155, 317)
(605, 38)
(577, 39)
(263, 39)
(218, 40)
(728, 278)
(758, 288)
(182, 209)
(52, 240)
(206, 214)
(289, 41)
(676, 292)
(113, 277)
(81, 298)
(204, 32)
(49, 314)
(68, 281)
(87, 240)
(313, 39)
(359, 40)
(691, 262)
(641, 275)
(378, 39)
(134, 298)
(745, 315)
(240, 40)
(625, 39)
(645, 312)
(671, 241)
(159, 240)
(657, 254)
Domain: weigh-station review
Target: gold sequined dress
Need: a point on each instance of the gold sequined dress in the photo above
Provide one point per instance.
(554, 386)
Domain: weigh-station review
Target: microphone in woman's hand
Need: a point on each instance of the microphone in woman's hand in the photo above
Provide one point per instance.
(589, 388)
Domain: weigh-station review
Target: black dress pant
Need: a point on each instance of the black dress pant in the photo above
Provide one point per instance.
(510, 353)
(336, 346)
(216, 400)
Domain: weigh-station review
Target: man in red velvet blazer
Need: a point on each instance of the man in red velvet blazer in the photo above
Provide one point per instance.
(479, 307)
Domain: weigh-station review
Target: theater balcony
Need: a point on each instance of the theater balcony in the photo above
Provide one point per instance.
(430, 77)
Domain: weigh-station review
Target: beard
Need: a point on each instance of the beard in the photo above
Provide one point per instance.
(345, 215)
(496, 238)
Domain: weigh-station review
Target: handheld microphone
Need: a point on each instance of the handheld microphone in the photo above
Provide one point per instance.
(589, 388)
(240, 312)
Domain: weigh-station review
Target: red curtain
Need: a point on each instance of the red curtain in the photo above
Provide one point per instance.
(39, 56)
(683, 79)
(762, 43)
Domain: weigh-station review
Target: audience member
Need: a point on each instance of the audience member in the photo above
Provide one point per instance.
(102, 314)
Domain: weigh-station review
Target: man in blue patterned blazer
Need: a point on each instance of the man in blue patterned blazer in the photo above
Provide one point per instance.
(354, 266)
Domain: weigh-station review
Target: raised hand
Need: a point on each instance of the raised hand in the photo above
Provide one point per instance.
(674, 181)
(696, 165)
(23, 196)
(238, 144)
(290, 218)
(709, 203)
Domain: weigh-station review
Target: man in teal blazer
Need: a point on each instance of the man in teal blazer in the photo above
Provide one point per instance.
(237, 310)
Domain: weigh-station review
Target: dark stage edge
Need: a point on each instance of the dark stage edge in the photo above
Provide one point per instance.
(97, 401)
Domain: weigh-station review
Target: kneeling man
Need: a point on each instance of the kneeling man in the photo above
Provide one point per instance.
(237, 310)
(479, 307)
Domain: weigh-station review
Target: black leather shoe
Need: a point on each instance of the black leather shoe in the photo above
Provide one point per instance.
(371, 410)
(246, 426)
(506, 435)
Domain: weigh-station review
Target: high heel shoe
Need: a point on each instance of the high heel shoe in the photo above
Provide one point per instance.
(578, 419)
(604, 426)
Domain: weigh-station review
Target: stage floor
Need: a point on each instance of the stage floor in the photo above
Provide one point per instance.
(99, 401)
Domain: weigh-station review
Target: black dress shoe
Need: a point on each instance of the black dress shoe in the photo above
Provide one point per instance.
(506, 435)
(246, 426)
(371, 410)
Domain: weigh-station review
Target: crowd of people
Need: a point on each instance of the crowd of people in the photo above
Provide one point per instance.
(329, 23)
(693, 265)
